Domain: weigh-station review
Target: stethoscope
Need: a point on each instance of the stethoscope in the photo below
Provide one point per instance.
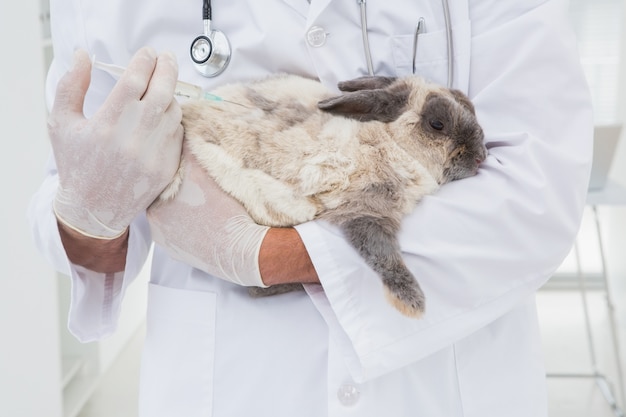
(211, 52)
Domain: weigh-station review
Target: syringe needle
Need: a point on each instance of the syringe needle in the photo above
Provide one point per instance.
(213, 97)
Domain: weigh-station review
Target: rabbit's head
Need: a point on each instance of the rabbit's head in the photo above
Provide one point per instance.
(436, 125)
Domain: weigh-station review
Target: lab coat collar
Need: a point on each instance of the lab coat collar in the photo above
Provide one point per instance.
(315, 9)
(309, 11)
(300, 6)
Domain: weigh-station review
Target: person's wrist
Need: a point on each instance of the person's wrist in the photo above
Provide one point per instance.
(82, 221)
(98, 255)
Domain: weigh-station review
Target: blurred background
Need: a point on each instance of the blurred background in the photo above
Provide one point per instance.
(45, 372)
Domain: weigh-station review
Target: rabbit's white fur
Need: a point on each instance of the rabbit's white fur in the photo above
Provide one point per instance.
(294, 151)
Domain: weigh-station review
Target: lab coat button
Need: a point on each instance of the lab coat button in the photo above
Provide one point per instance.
(348, 395)
(316, 36)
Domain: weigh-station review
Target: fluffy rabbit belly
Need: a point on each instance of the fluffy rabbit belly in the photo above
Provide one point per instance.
(268, 200)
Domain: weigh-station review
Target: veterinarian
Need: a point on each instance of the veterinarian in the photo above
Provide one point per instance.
(480, 247)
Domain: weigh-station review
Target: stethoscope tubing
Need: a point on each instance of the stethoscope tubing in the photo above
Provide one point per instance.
(449, 42)
(366, 41)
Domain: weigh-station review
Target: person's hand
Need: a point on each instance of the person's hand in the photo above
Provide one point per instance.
(208, 229)
(113, 165)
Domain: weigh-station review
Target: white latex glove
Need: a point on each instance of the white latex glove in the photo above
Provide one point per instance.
(208, 229)
(112, 166)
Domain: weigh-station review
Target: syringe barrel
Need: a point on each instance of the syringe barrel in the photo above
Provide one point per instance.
(187, 90)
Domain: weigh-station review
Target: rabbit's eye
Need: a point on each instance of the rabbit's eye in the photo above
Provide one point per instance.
(436, 124)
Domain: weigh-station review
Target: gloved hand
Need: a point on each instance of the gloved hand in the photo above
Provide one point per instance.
(208, 229)
(112, 166)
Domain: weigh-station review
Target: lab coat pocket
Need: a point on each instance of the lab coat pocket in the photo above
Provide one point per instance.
(431, 55)
(177, 362)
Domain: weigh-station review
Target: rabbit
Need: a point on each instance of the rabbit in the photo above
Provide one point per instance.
(291, 150)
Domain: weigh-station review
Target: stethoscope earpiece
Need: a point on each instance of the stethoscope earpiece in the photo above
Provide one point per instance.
(211, 51)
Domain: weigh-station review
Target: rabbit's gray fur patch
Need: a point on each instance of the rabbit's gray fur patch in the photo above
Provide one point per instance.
(361, 160)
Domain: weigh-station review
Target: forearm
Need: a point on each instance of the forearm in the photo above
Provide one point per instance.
(98, 255)
(283, 258)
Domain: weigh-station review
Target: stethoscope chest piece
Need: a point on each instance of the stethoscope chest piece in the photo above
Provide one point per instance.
(211, 51)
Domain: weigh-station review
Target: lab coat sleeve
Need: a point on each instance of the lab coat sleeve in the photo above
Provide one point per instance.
(95, 298)
(481, 245)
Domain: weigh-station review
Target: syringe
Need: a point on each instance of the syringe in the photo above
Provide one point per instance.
(182, 89)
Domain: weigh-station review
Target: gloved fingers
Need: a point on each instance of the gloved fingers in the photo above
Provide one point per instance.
(131, 86)
(71, 91)
(161, 108)
(174, 117)
(167, 119)
(163, 140)
(160, 92)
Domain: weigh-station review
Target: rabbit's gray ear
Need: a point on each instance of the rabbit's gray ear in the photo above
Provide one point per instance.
(380, 105)
(368, 82)
(463, 100)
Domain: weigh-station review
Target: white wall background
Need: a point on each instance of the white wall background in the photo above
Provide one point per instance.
(615, 224)
(29, 350)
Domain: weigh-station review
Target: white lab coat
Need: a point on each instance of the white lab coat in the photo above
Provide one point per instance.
(480, 247)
